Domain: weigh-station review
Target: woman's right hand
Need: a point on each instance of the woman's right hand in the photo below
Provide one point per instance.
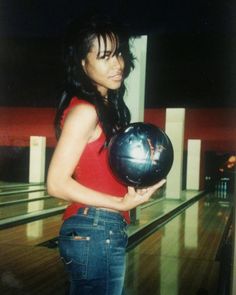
(136, 197)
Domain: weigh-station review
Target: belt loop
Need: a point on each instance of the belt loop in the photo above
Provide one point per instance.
(96, 217)
(86, 209)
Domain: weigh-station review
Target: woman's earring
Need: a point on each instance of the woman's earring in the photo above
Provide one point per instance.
(83, 65)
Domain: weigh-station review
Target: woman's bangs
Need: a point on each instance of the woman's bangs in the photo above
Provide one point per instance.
(114, 41)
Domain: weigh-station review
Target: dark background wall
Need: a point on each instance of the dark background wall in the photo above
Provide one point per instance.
(183, 70)
(191, 58)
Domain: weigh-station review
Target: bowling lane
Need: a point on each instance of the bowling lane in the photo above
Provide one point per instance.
(31, 233)
(14, 185)
(31, 271)
(16, 189)
(21, 197)
(180, 258)
(30, 207)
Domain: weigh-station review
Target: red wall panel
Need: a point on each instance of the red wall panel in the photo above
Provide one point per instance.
(18, 124)
(216, 127)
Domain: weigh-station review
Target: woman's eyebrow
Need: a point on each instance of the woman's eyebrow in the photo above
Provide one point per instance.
(105, 53)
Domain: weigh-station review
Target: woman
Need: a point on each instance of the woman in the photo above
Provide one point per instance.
(93, 236)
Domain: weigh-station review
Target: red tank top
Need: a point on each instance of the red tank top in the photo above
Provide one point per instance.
(93, 170)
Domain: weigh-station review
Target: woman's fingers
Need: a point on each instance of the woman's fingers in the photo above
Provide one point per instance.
(131, 190)
(135, 197)
(151, 189)
(159, 184)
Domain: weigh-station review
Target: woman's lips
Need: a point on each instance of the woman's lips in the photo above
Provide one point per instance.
(116, 77)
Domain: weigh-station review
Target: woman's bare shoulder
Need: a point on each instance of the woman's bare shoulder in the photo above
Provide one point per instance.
(83, 112)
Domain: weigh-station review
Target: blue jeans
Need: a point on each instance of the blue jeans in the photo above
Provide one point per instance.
(92, 246)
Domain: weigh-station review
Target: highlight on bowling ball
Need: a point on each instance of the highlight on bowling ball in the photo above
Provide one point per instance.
(140, 155)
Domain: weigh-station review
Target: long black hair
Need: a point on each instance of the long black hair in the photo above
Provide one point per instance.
(113, 113)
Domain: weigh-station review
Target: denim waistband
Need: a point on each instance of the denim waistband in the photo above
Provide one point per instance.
(101, 214)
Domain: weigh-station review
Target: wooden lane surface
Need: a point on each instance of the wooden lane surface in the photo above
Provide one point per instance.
(26, 268)
(22, 196)
(179, 259)
(21, 189)
(32, 233)
(29, 207)
(30, 270)
(171, 276)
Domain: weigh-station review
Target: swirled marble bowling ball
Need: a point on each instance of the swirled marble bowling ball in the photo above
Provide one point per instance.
(140, 155)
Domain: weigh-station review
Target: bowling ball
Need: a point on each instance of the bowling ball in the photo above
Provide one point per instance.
(140, 155)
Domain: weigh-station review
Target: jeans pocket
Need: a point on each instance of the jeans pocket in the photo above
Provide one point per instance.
(118, 238)
(74, 251)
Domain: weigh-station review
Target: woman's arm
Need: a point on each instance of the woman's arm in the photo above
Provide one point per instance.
(79, 128)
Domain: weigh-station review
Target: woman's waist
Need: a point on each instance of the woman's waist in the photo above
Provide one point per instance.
(94, 215)
(75, 208)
